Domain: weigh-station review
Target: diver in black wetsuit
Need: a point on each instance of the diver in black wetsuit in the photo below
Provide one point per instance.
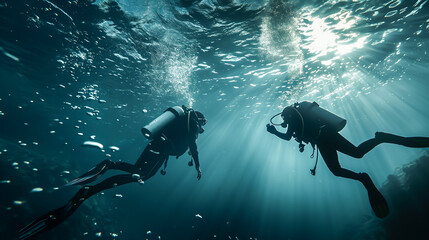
(177, 132)
(309, 123)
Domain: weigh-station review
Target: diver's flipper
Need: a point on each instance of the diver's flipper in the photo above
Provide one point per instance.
(55, 217)
(376, 199)
(91, 175)
(414, 142)
(42, 224)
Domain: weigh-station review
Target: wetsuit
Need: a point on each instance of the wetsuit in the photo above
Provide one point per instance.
(329, 142)
(175, 141)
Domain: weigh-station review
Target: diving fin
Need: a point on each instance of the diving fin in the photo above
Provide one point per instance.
(54, 217)
(91, 175)
(414, 142)
(376, 199)
(42, 224)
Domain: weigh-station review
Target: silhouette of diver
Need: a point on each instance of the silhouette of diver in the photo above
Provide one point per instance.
(172, 133)
(309, 123)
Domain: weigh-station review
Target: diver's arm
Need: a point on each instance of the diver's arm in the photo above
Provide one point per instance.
(194, 153)
(286, 136)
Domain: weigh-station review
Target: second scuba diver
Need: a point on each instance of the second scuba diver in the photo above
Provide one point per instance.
(172, 133)
(308, 123)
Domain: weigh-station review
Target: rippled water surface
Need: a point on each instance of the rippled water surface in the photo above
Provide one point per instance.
(81, 70)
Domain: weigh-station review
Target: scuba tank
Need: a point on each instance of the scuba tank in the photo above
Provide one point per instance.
(154, 128)
(312, 112)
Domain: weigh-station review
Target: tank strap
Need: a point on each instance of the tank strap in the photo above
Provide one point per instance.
(302, 121)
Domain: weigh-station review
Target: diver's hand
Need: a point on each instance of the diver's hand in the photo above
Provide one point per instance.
(271, 129)
(199, 173)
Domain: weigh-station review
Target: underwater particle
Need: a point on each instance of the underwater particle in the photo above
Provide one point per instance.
(107, 155)
(80, 134)
(18, 202)
(85, 233)
(55, 188)
(52, 132)
(144, 110)
(26, 162)
(35, 143)
(149, 232)
(14, 164)
(23, 144)
(90, 113)
(25, 124)
(101, 101)
(141, 182)
(159, 237)
(92, 137)
(135, 176)
(65, 172)
(114, 148)
(198, 216)
(118, 195)
(113, 234)
(5, 181)
(93, 144)
(37, 189)
(35, 169)
(98, 234)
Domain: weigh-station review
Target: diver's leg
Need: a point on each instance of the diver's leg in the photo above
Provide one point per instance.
(330, 156)
(414, 142)
(346, 147)
(152, 158)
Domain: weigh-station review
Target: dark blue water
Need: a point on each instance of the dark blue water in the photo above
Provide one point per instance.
(76, 71)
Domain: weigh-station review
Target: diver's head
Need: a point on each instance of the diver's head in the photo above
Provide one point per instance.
(201, 120)
(286, 116)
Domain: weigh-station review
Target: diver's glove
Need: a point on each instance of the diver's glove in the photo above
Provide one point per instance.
(271, 129)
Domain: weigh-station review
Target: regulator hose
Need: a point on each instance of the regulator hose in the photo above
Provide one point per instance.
(271, 120)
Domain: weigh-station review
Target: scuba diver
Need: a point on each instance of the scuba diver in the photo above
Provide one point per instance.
(308, 123)
(171, 134)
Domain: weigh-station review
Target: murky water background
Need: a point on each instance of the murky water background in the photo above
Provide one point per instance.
(76, 71)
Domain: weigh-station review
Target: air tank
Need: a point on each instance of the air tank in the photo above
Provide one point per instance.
(155, 128)
(311, 110)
